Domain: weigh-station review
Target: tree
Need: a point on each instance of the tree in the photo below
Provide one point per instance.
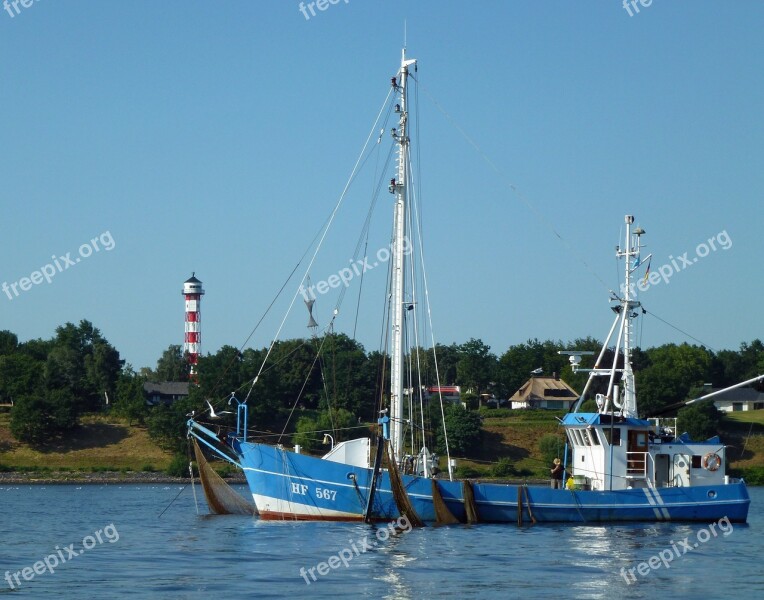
(83, 362)
(700, 420)
(476, 366)
(166, 424)
(20, 375)
(130, 401)
(515, 365)
(464, 429)
(9, 343)
(37, 418)
(672, 372)
(172, 365)
(309, 432)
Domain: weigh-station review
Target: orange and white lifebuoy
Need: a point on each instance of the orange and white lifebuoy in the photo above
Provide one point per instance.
(712, 461)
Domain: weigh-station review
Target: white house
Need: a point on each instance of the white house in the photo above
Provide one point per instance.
(740, 399)
(544, 392)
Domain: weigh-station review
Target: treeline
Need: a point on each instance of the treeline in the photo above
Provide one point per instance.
(320, 382)
(50, 383)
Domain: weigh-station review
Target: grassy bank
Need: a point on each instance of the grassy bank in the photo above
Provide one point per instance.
(106, 444)
(514, 434)
(100, 443)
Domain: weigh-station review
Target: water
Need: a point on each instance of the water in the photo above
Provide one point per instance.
(182, 555)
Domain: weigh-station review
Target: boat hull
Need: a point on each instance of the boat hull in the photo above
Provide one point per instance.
(286, 485)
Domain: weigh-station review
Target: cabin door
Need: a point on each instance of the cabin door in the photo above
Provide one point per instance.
(662, 470)
(681, 470)
(636, 454)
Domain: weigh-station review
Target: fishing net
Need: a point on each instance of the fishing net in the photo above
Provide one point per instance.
(443, 516)
(405, 508)
(221, 497)
(470, 506)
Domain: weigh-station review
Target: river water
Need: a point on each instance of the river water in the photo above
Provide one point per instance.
(110, 542)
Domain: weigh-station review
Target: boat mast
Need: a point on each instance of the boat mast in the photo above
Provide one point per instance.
(399, 187)
(633, 250)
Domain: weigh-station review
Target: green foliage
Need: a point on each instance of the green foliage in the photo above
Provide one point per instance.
(469, 472)
(178, 466)
(167, 424)
(20, 374)
(464, 431)
(36, 418)
(752, 475)
(700, 420)
(471, 400)
(225, 470)
(551, 446)
(9, 342)
(670, 373)
(503, 468)
(130, 401)
(83, 362)
(309, 431)
(306, 434)
(589, 405)
(172, 365)
(476, 366)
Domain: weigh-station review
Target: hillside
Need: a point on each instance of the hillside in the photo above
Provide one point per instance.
(100, 443)
(109, 444)
(515, 435)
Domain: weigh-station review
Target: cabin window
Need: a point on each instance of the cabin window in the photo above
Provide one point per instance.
(616, 435)
(580, 438)
(594, 436)
(587, 437)
(572, 436)
(697, 461)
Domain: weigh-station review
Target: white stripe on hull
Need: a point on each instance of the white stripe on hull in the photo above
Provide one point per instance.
(276, 505)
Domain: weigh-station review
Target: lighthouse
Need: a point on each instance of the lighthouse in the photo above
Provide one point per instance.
(193, 292)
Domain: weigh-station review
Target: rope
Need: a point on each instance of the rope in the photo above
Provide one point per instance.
(326, 229)
(193, 487)
(172, 501)
(537, 213)
(679, 330)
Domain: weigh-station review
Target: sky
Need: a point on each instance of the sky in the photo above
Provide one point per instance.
(151, 140)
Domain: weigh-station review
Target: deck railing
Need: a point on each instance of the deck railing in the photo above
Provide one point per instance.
(636, 464)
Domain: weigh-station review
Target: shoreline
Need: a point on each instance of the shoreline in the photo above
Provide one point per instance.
(104, 477)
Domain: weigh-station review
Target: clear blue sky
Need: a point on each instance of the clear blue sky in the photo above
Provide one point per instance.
(216, 136)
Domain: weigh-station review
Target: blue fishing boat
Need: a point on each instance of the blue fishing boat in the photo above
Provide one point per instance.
(621, 467)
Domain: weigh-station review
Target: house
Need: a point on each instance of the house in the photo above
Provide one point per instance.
(544, 392)
(450, 393)
(739, 399)
(165, 392)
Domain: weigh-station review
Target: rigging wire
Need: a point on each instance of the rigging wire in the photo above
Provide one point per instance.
(428, 309)
(702, 343)
(539, 215)
(326, 229)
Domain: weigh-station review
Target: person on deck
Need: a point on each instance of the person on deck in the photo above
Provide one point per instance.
(557, 474)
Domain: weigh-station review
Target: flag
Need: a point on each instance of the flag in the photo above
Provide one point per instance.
(647, 272)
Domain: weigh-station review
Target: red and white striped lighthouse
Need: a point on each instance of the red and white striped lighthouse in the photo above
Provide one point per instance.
(193, 292)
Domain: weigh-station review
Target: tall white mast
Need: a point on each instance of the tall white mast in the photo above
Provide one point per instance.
(633, 250)
(399, 188)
